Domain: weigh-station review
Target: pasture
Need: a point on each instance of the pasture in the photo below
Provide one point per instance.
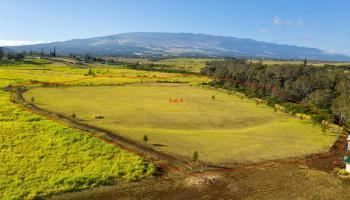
(40, 157)
(180, 119)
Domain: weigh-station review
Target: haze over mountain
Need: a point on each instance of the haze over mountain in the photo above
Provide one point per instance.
(180, 45)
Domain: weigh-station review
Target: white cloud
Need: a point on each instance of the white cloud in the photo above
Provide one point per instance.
(330, 51)
(265, 30)
(17, 42)
(280, 21)
(277, 21)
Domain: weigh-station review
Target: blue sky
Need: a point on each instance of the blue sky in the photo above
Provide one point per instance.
(324, 24)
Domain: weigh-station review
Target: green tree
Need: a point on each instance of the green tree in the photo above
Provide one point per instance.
(145, 138)
(195, 156)
(341, 106)
(54, 52)
(73, 115)
(91, 73)
(32, 99)
(2, 53)
(213, 97)
(19, 57)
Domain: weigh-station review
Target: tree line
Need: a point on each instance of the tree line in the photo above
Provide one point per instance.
(300, 88)
(132, 65)
(9, 55)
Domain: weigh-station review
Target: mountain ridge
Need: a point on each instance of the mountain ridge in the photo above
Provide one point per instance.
(156, 44)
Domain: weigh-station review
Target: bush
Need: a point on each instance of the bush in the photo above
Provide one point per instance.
(195, 156)
(145, 138)
(98, 116)
(342, 172)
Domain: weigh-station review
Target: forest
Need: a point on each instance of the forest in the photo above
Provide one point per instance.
(323, 92)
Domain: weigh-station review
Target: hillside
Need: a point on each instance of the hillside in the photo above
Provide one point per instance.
(181, 45)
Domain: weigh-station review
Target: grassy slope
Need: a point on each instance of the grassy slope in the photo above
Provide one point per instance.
(226, 129)
(41, 157)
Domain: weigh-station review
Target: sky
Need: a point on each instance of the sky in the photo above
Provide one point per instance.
(323, 24)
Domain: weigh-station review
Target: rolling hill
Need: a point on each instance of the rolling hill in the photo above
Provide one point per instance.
(181, 45)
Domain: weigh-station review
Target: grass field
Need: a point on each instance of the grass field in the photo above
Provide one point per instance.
(223, 130)
(186, 64)
(40, 157)
(41, 70)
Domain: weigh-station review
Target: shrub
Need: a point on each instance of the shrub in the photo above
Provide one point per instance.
(32, 99)
(213, 97)
(73, 115)
(145, 138)
(342, 172)
(195, 156)
(98, 116)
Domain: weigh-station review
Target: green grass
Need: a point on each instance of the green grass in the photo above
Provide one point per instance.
(40, 157)
(224, 130)
(41, 70)
(185, 64)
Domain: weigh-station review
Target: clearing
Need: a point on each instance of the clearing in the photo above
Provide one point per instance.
(179, 119)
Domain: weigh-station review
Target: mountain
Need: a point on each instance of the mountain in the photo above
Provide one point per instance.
(181, 45)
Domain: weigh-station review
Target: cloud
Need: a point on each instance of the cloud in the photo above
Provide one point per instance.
(283, 22)
(265, 30)
(330, 51)
(18, 42)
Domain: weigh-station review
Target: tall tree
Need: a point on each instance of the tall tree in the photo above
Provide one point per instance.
(2, 53)
(54, 52)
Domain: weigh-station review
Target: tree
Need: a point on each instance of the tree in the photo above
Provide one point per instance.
(341, 107)
(54, 52)
(32, 99)
(2, 53)
(195, 156)
(213, 97)
(90, 73)
(305, 62)
(19, 57)
(73, 115)
(145, 138)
